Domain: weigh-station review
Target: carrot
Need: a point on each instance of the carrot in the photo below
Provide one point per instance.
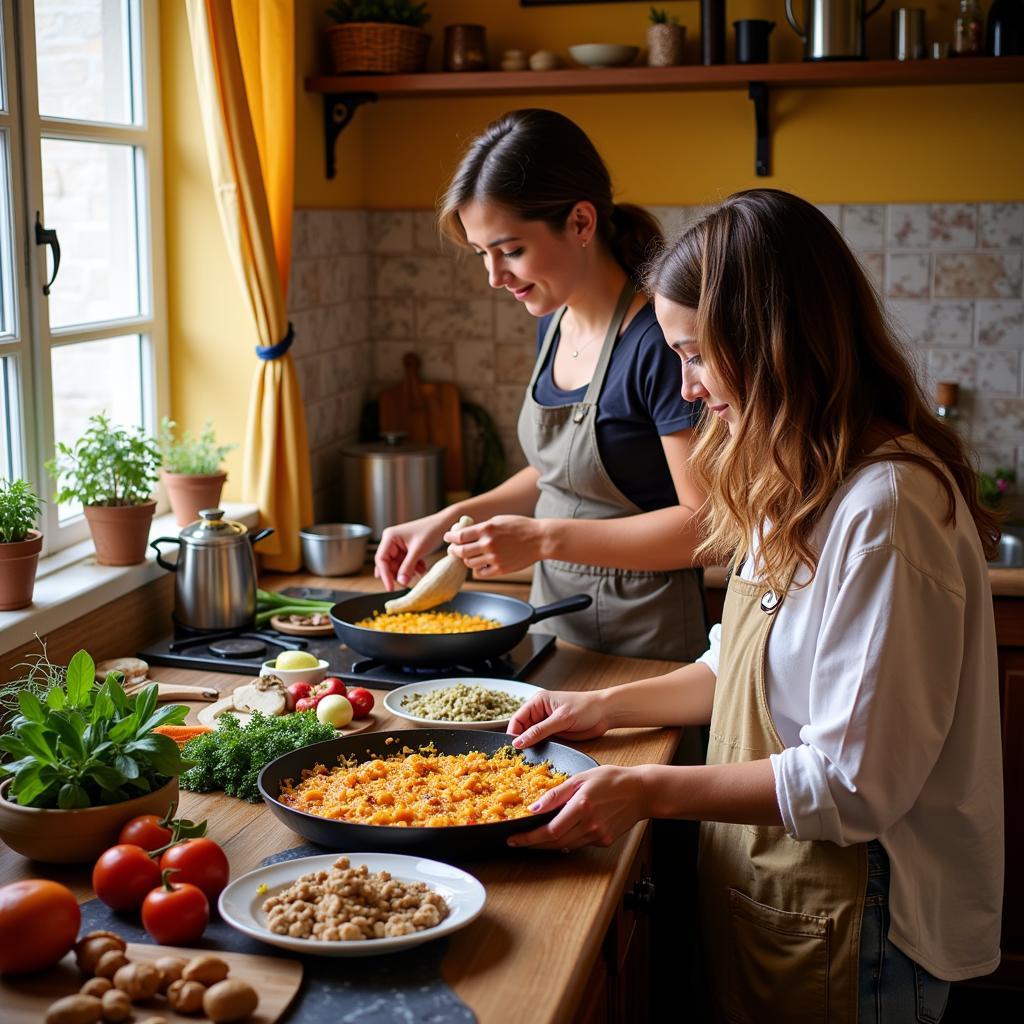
(181, 734)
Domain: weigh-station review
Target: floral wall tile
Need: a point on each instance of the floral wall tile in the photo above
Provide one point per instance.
(455, 319)
(864, 226)
(389, 231)
(992, 373)
(437, 361)
(349, 322)
(475, 361)
(907, 226)
(942, 324)
(990, 459)
(469, 277)
(1001, 225)
(345, 231)
(392, 318)
(977, 275)
(907, 275)
(1001, 323)
(387, 360)
(874, 265)
(953, 225)
(425, 235)
(421, 276)
(513, 322)
(998, 422)
(833, 211)
(304, 290)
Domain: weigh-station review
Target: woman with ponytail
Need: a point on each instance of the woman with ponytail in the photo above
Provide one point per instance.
(606, 505)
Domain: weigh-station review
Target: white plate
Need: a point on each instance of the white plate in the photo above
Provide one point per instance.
(393, 700)
(241, 904)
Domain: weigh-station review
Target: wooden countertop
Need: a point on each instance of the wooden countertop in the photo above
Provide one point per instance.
(532, 950)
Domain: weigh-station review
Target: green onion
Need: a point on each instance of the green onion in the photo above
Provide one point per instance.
(270, 604)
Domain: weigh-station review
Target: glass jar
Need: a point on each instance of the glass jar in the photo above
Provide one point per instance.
(968, 38)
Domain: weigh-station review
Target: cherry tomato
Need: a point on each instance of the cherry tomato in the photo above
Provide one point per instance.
(299, 690)
(201, 862)
(145, 831)
(39, 922)
(123, 875)
(328, 686)
(305, 704)
(361, 701)
(175, 913)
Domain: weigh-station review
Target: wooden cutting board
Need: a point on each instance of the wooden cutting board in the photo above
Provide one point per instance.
(26, 999)
(429, 412)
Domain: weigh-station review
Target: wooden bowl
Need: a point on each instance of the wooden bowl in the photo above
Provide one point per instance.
(54, 836)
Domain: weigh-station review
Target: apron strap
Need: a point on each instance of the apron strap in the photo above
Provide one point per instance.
(597, 381)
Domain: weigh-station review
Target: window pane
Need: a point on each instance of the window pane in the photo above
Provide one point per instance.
(84, 52)
(6, 240)
(10, 447)
(95, 376)
(90, 198)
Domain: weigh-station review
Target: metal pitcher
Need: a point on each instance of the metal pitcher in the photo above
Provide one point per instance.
(215, 574)
(835, 28)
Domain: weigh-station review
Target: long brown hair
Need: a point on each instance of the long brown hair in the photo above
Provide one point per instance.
(788, 322)
(538, 165)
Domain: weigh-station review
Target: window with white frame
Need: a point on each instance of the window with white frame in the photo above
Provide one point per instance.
(80, 176)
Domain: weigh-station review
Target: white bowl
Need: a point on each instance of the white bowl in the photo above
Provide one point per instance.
(603, 55)
(296, 675)
(393, 700)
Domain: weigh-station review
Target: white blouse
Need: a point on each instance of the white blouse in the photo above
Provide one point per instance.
(882, 681)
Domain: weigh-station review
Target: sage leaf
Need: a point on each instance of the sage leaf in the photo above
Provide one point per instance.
(72, 795)
(31, 707)
(80, 678)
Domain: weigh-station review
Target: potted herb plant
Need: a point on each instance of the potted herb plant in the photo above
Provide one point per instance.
(666, 39)
(382, 36)
(111, 470)
(191, 470)
(20, 543)
(84, 760)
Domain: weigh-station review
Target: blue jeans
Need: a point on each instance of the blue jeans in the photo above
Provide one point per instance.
(893, 989)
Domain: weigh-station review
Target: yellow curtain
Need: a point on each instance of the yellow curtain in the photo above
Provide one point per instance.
(245, 73)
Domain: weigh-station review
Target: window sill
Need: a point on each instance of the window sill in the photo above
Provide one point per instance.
(70, 584)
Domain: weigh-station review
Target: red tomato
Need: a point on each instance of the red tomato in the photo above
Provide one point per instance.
(299, 690)
(361, 701)
(38, 924)
(305, 704)
(201, 862)
(175, 912)
(331, 684)
(145, 831)
(123, 875)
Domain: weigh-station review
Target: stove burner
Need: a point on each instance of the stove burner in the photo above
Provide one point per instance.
(238, 648)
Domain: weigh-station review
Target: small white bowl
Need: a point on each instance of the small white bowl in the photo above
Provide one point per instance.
(603, 55)
(296, 675)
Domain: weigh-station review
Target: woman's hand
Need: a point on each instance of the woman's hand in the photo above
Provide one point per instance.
(598, 805)
(499, 545)
(400, 555)
(571, 715)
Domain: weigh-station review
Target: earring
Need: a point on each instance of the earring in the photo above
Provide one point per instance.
(583, 246)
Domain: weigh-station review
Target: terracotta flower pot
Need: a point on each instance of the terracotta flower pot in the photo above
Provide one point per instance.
(189, 494)
(75, 836)
(120, 533)
(18, 562)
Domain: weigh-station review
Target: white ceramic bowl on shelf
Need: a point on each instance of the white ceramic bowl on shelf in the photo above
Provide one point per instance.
(603, 55)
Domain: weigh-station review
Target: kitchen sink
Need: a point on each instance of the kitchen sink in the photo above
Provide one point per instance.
(1011, 550)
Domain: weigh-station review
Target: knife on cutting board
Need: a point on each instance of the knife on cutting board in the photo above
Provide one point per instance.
(177, 691)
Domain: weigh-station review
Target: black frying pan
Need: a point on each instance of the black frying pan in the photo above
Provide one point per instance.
(446, 648)
(453, 841)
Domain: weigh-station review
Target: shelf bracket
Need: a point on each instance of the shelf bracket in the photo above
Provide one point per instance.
(339, 109)
(758, 92)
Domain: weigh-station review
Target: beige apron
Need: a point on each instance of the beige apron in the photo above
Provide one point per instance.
(781, 919)
(635, 614)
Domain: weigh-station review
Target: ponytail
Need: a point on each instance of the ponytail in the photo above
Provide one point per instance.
(634, 237)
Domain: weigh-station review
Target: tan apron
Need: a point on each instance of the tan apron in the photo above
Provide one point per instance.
(634, 613)
(781, 919)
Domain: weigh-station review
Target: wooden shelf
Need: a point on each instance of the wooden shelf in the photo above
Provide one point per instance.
(343, 94)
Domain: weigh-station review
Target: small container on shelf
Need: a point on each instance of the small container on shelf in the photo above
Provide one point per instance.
(947, 401)
(465, 48)
(967, 31)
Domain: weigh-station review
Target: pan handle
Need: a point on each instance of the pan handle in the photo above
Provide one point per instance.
(568, 604)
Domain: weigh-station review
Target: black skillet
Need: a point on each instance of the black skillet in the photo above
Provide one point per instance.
(453, 841)
(445, 648)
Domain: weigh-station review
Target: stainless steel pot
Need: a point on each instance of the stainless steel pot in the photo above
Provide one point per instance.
(834, 28)
(215, 574)
(390, 482)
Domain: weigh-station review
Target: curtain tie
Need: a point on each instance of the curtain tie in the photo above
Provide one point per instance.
(278, 350)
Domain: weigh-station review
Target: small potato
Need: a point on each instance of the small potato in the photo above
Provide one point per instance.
(230, 1000)
(75, 1010)
(170, 968)
(89, 951)
(116, 1006)
(102, 933)
(139, 980)
(186, 996)
(206, 969)
(110, 963)
(96, 987)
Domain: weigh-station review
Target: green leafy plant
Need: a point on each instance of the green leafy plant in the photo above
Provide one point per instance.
(396, 12)
(87, 743)
(38, 675)
(992, 486)
(193, 456)
(662, 17)
(108, 465)
(19, 510)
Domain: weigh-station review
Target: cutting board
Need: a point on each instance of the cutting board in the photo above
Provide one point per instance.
(25, 999)
(429, 412)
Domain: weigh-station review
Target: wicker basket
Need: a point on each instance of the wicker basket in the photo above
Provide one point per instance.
(377, 47)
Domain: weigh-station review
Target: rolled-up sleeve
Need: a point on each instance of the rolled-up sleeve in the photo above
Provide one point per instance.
(710, 656)
(882, 696)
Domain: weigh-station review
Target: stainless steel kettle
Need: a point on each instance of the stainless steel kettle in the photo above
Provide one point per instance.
(835, 28)
(215, 575)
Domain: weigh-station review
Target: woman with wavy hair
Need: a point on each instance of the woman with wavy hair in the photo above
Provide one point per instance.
(851, 853)
(605, 506)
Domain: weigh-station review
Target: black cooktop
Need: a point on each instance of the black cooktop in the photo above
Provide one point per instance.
(243, 652)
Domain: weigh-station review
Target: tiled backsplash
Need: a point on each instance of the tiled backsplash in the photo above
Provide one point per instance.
(367, 287)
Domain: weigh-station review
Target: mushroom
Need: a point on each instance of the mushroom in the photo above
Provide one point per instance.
(230, 1000)
(76, 1009)
(186, 996)
(206, 969)
(140, 980)
(116, 1006)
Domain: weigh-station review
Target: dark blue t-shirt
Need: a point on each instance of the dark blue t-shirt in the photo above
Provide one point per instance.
(639, 403)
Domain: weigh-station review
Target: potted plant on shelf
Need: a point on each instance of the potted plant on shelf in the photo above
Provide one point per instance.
(84, 760)
(382, 36)
(111, 470)
(191, 470)
(666, 39)
(20, 543)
